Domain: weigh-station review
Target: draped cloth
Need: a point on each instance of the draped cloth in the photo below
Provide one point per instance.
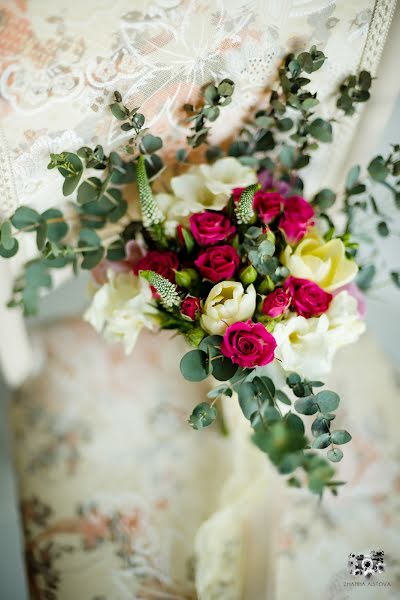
(120, 499)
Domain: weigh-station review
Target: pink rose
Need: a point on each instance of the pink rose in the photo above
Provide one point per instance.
(308, 299)
(268, 205)
(248, 344)
(163, 262)
(190, 307)
(218, 263)
(276, 303)
(297, 217)
(209, 228)
(236, 193)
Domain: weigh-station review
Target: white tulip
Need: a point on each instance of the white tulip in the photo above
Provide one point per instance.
(226, 304)
(121, 308)
(307, 346)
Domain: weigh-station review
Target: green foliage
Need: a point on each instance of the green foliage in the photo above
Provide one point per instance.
(195, 365)
(202, 416)
(354, 90)
(214, 98)
(244, 208)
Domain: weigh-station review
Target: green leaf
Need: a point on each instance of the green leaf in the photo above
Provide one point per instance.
(324, 199)
(282, 397)
(382, 229)
(220, 390)
(364, 80)
(365, 276)
(226, 87)
(194, 365)
(223, 368)
(327, 400)
(306, 62)
(87, 237)
(247, 395)
(320, 425)
(395, 277)
(118, 112)
(210, 94)
(291, 462)
(6, 236)
(203, 415)
(295, 423)
(70, 184)
(306, 406)
(55, 231)
(151, 143)
(309, 103)
(41, 235)
(322, 441)
(287, 155)
(377, 169)
(89, 190)
(292, 379)
(11, 251)
(266, 388)
(188, 239)
(335, 454)
(340, 436)
(321, 130)
(91, 259)
(25, 217)
(352, 177)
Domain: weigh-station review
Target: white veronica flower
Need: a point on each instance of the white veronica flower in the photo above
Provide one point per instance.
(226, 304)
(307, 346)
(210, 186)
(121, 308)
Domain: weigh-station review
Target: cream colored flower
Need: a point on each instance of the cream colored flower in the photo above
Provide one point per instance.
(210, 186)
(175, 212)
(307, 346)
(225, 174)
(227, 303)
(320, 261)
(121, 308)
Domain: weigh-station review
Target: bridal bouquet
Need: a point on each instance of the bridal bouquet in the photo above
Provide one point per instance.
(229, 253)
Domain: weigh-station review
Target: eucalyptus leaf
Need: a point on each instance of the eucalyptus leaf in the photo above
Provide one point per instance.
(340, 436)
(194, 365)
(202, 416)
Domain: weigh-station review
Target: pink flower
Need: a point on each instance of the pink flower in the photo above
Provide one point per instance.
(276, 303)
(297, 217)
(268, 205)
(353, 289)
(237, 192)
(190, 307)
(163, 262)
(218, 263)
(269, 184)
(209, 228)
(308, 299)
(248, 344)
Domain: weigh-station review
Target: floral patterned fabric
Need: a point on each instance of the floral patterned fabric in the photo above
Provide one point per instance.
(121, 499)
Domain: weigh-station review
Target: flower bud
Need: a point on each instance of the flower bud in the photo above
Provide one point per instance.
(248, 275)
(185, 277)
(266, 286)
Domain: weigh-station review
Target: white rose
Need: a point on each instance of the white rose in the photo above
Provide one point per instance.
(308, 346)
(210, 186)
(226, 304)
(191, 188)
(226, 174)
(120, 309)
